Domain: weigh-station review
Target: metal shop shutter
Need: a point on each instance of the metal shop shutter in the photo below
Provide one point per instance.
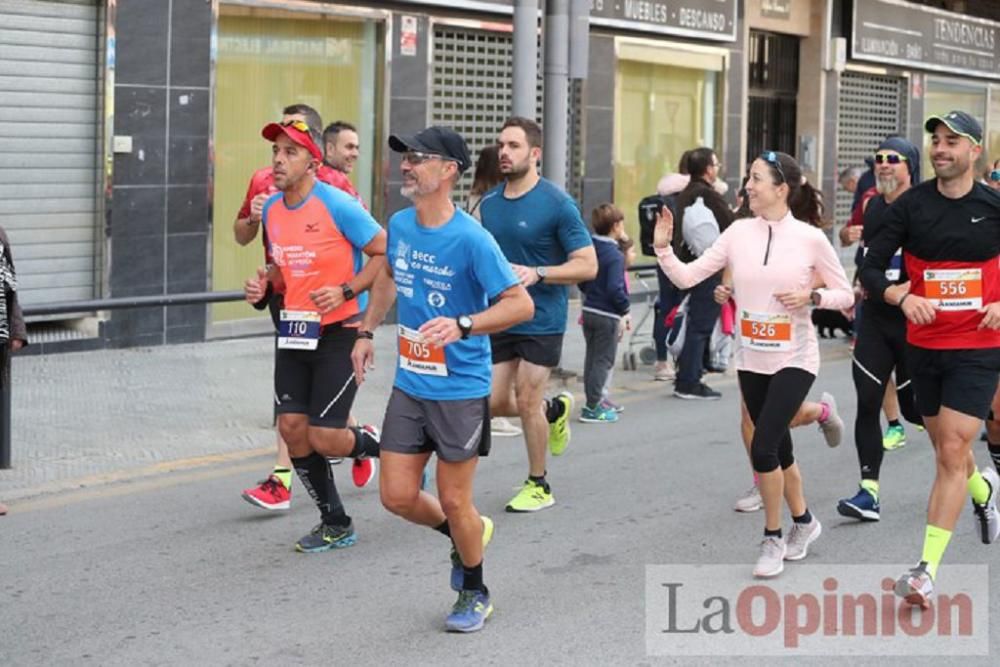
(471, 93)
(48, 145)
(871, 107)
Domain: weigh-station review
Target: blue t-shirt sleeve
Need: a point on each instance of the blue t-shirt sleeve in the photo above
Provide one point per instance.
(355, 223)
(491, 268)
(573, 233)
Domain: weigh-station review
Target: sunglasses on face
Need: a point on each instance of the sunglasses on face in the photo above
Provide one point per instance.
(771, 158)
(416, 157)
(995, 175)
(889, 158)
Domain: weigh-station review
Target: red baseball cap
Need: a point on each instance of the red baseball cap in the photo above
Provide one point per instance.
(295, 130)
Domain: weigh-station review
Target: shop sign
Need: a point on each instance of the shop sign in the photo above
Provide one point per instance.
(776, 9)
(902, 34)
(408, 36)
(699, 19)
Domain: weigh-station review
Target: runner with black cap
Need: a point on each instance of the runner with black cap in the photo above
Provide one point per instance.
(949, 230)
(317, 236)
(880, 346)
(446, 270)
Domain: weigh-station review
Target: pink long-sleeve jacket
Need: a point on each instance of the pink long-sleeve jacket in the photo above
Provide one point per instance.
(767, 258)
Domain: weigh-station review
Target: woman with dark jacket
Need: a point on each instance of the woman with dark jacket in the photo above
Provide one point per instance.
(13, 333)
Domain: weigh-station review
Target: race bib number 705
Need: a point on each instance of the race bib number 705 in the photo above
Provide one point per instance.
(418, 355)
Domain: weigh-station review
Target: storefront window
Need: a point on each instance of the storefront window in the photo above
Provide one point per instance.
(943, 96)
(992, 142)
(267, 60)
(661, 111)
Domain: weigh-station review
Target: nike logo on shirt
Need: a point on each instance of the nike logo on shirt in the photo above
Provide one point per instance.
(975, 220)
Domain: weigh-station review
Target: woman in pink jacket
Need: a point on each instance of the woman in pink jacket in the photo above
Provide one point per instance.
(774, 259)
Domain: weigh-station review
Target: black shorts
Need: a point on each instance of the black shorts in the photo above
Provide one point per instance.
(962, 380)
(542, 350)
(457, 430)
(319, 383)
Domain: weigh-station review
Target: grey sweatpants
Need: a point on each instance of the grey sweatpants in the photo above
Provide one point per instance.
(601, 335)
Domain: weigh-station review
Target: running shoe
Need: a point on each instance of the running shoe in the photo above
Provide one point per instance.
(457, 575)
(598, 415)
(800, 537)
(470, 612)
(531, 498)
(833, 427)
(894, 438)
(363, 470)
(989, 520)
(698, 392)
(270, 494)
(771, 561)
(916, 586)
(559, 429)
(335, 460)
(862, 506)
(500, 427)
(751, 502)
(608, 404)
(664, 371)
(324, 538)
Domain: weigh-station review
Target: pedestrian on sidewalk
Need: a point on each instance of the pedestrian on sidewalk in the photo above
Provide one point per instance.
(13, 332)
(605, 309)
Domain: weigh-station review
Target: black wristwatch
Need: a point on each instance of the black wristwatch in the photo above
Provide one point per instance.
(464, 325)
(365, 334)
(816, 297)
(348, 292)
(542, 272)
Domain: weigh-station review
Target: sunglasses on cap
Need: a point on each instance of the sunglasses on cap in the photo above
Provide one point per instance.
(416, 157)
(771, 158)
(889, 158)
(296, 124)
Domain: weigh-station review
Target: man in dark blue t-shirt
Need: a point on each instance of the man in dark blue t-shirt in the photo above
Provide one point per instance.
(539, 229)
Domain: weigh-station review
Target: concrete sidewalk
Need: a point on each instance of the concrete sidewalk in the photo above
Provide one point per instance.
(82, 419)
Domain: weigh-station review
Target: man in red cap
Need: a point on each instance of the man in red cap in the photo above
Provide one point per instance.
(317, 237)
(275, 492)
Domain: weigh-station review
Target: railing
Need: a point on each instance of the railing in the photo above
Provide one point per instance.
(93, 305)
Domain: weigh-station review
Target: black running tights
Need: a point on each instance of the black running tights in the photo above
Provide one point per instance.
(772, 401)
(879, 349)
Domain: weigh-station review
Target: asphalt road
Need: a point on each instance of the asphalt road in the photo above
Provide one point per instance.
(176, 569)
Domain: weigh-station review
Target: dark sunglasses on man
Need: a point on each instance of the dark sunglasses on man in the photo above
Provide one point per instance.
(890, 158)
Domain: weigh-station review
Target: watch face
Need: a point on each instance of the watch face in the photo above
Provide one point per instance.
(465, 322)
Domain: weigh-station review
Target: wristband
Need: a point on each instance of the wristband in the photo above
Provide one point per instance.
(365, 334)
(900, 304)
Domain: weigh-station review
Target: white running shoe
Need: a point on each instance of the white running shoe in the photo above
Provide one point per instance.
(501, 427)
(751, 502)
(800, 537)
(833, 427)
(771, 562)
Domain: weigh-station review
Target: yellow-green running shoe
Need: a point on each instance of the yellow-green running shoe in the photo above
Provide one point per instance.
(457, 573)
(894, 438)
(559, 429)
(531, 498)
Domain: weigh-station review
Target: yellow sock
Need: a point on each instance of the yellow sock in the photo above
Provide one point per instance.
(871, 486)
(979, 488)
(935, 542)
(284, 475)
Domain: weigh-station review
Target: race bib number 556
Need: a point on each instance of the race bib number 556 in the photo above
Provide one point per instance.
(954, 289)
(420, 356)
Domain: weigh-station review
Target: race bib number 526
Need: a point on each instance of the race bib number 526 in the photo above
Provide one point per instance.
(766, 332)
(954, 289)
(418, 355)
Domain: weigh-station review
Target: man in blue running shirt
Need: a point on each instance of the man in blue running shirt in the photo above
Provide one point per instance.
(539, 228)
(446, 270)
